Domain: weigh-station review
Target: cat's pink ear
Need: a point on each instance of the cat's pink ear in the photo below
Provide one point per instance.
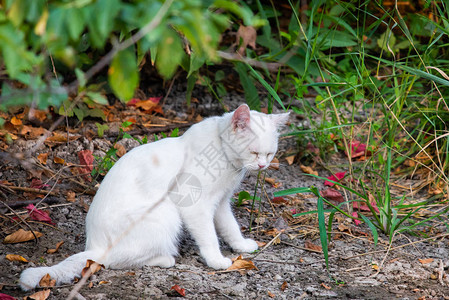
(241, 117)
(280, 120)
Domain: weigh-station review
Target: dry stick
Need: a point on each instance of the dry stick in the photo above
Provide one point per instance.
(302, 248)
(20, 218)
(385, 256)
(268, 245)
(33, 190)
(398, 247)
(50, 206)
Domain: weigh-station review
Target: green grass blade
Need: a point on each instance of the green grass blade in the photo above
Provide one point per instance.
(292, 191)
(323, 233)
(372, 227)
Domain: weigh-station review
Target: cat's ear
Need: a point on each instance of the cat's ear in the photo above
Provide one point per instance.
(241, 117)
(280, 120)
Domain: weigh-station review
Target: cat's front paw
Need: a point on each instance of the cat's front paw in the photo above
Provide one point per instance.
(219, 263)
(247, 245)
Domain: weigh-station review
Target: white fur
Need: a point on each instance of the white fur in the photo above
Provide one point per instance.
(134, 222)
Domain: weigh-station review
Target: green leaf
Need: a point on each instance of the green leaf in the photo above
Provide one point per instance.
(123, 74)
(292, 191)
(169, 53)
(75, 23)
(251, 93)
(101, 128)
(322, 227)
(97, 98)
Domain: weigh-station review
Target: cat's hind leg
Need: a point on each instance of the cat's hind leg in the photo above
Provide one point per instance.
(166, 261)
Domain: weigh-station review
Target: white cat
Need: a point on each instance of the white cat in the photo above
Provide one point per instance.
(137, 214)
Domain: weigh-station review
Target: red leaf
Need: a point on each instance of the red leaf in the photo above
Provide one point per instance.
(6, 297)
(332, 195)
(363, 207)
(356, 215)
(87, 159)
(358, 149)
(38, 215)
(179, 289)
(336, 177)
(38, 184)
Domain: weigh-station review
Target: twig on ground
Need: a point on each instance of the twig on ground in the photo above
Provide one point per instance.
(302, 248)
(268, 245)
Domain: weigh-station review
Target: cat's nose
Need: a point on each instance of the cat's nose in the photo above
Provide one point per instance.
(261, 166)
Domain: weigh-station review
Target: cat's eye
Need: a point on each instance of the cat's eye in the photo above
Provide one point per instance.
(255, 153)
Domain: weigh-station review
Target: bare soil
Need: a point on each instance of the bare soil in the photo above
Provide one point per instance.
(289, 267)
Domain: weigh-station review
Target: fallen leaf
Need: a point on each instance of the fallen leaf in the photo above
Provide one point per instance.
(242, 265)
(58, 245)
(86, 159)
(38, 214)
(261, 244)
(279, 200)
(356, 215)
(40, 115)
(92, 267)
(42, 158)
(274, 164)
(58, 160)
(374, 266)
(120, 150)
(103, 282)
(290, 159)
(248, 36)
(273, 182)
(41, 295)
(47, 281)
(38, 184)
(332, 195)
(361, 206)
(425, 260)
(270, 294)
(325, 286)
(336, 177)
(20, 236)
(15, 257)
(284, 286)
(16, 121)
(71, 196)
(179, 290)
(6, 297)
(311, 246)
(359, 149)
(59, 137)
(313, 149)
(308, 170)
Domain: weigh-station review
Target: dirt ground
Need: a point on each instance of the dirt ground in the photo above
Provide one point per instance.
(289, 267)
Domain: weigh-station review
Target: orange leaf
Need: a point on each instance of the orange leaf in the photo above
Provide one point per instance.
(46, 281)
(241, 264)
(426, 260)
(58, 160)
(15, 121)
(58, 245)
(42, 158)
(15, 257)
(308, 170)
(92, 267)
(270, 294)
(179, 290)
(71, 196)
(21, 236)
(273, 182)
(284, 286)
(325, 286)
(120, 150)
(42, 295)
(290, 159)
(274, 164)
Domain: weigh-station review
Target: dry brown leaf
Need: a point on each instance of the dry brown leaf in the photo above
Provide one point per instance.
(58, 160)
(248, 35)
(260, 244)
(120, 150)
(271, 295)
(42, 158)
(40, 115)
(92, 266)
(20, 236)
(242, 265)
(146, 104)
(103, 282)
(290, 159)
(308, 170)
(273, 182)
(311, 246)
(41, 295)
(16, 257)
(47, 281)
(284, 286)
(426, 261)
(16, 121)
(90, 285)
(60, 137)
(71, 196)
(58, 245)
(274, 165)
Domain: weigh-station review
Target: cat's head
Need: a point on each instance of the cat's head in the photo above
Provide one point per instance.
(251, 140)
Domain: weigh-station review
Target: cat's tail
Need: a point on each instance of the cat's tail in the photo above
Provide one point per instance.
(64, 272)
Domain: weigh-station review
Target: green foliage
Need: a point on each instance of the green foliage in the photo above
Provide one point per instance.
(40, 37)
